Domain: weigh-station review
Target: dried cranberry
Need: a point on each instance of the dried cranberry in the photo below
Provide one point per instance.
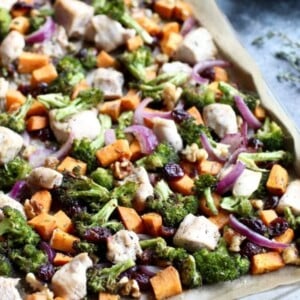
(167, 232)
(271, 202)
(45, 272)
(249, 249)
(97, 234)
(143, 280)
(278, 226)
(39, 89)
(173, 171)
(255, 143)
(255, 224)
(22, 5)
(146, 258)
(180, 115)
(209, 73)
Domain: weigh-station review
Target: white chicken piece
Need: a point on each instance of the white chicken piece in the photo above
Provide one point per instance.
(195, 233)
(166, 131)
(7, 4)
(175, 67)
(69, 282)
(8, 288)
(107, 33)
(11, 144)
(221, 118)
(109, 81)
(196, 46)
(12, 47)
(291, 198)
(83, 124)
(145, 188)
(4, 85)
(123, 245)
(45, 178)
(73, 15)
(5, 200)
(247, 183)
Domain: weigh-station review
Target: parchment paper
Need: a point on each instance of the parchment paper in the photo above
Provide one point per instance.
(249, 77)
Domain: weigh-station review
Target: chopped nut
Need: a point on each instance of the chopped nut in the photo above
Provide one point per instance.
(39, 286)
(192, 153)
(51, 162)
(170, 95)
(257, 204)
(129, 287)
(233, 239)
(290, 255)
(29, 209)
(121, 169)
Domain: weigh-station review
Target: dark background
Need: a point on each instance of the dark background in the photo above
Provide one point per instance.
(255, 18)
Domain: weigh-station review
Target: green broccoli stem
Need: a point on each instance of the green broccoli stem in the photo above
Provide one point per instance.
(54, 100)
(102, 216)
(75, 106)
(106, 123)
(128, 21)
(210, 201)
(153, 243)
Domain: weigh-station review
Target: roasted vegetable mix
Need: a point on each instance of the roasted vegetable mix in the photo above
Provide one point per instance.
(130, 161)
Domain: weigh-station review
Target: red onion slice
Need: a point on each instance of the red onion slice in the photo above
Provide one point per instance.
(48, 250)
(188, 25)
(246, 113)
(17, 189)
(145, 136)
(160, 114)
(138, 117)
(234, 140)
(254, 236)
(109, 136)
(201, 66)
(44, 33)
(225, 184)
(209, 149)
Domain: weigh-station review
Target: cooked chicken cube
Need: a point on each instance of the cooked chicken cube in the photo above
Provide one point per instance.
(109, 81)
(107, 33)
(221, 118)
(69, 282)
(196, 46)
(195, 233)
(166, 131)
(4, 86)
(5, 200)
(175, 67)
(11, 48)
(247, 183)
(73, 15)
(11, 144)
(46, 178)
(82, 124)
(123, 245)
(8, 288)
(291, 198)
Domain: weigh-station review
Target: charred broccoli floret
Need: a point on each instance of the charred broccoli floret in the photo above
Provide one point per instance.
(5, 20)
(262, 191)
(5, 266)
(124, 120)
(172, 207)
(107, 279)
(16, 120)
(104, 177)
(220, 264)
(13, 171)
(203, 186)
(125, 193)
(271, 135)
(163, 154)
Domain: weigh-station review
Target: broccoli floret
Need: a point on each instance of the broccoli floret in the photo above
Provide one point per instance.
(238, 205)
(16, 231)
(28, 258)
(125, 193)
(203, 186)
(5, 266)
(190, 131)
(184, 262)
(250, 159)
(86, 100)
(172, 207)
(16, 120)
(137, 61)
(84, 221)
(80, 190)
(163, 154)
(198, 96)
(271, 135)
(116, 10)
(88, 58)
(13, 171)
(220, 265)
(229, 92)
(55, 100)
(124, 120)
(154, 88)
(262, 191)
(5, 20)
(85, 149)
(70, 72)
(104, 177)
(107, 279)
